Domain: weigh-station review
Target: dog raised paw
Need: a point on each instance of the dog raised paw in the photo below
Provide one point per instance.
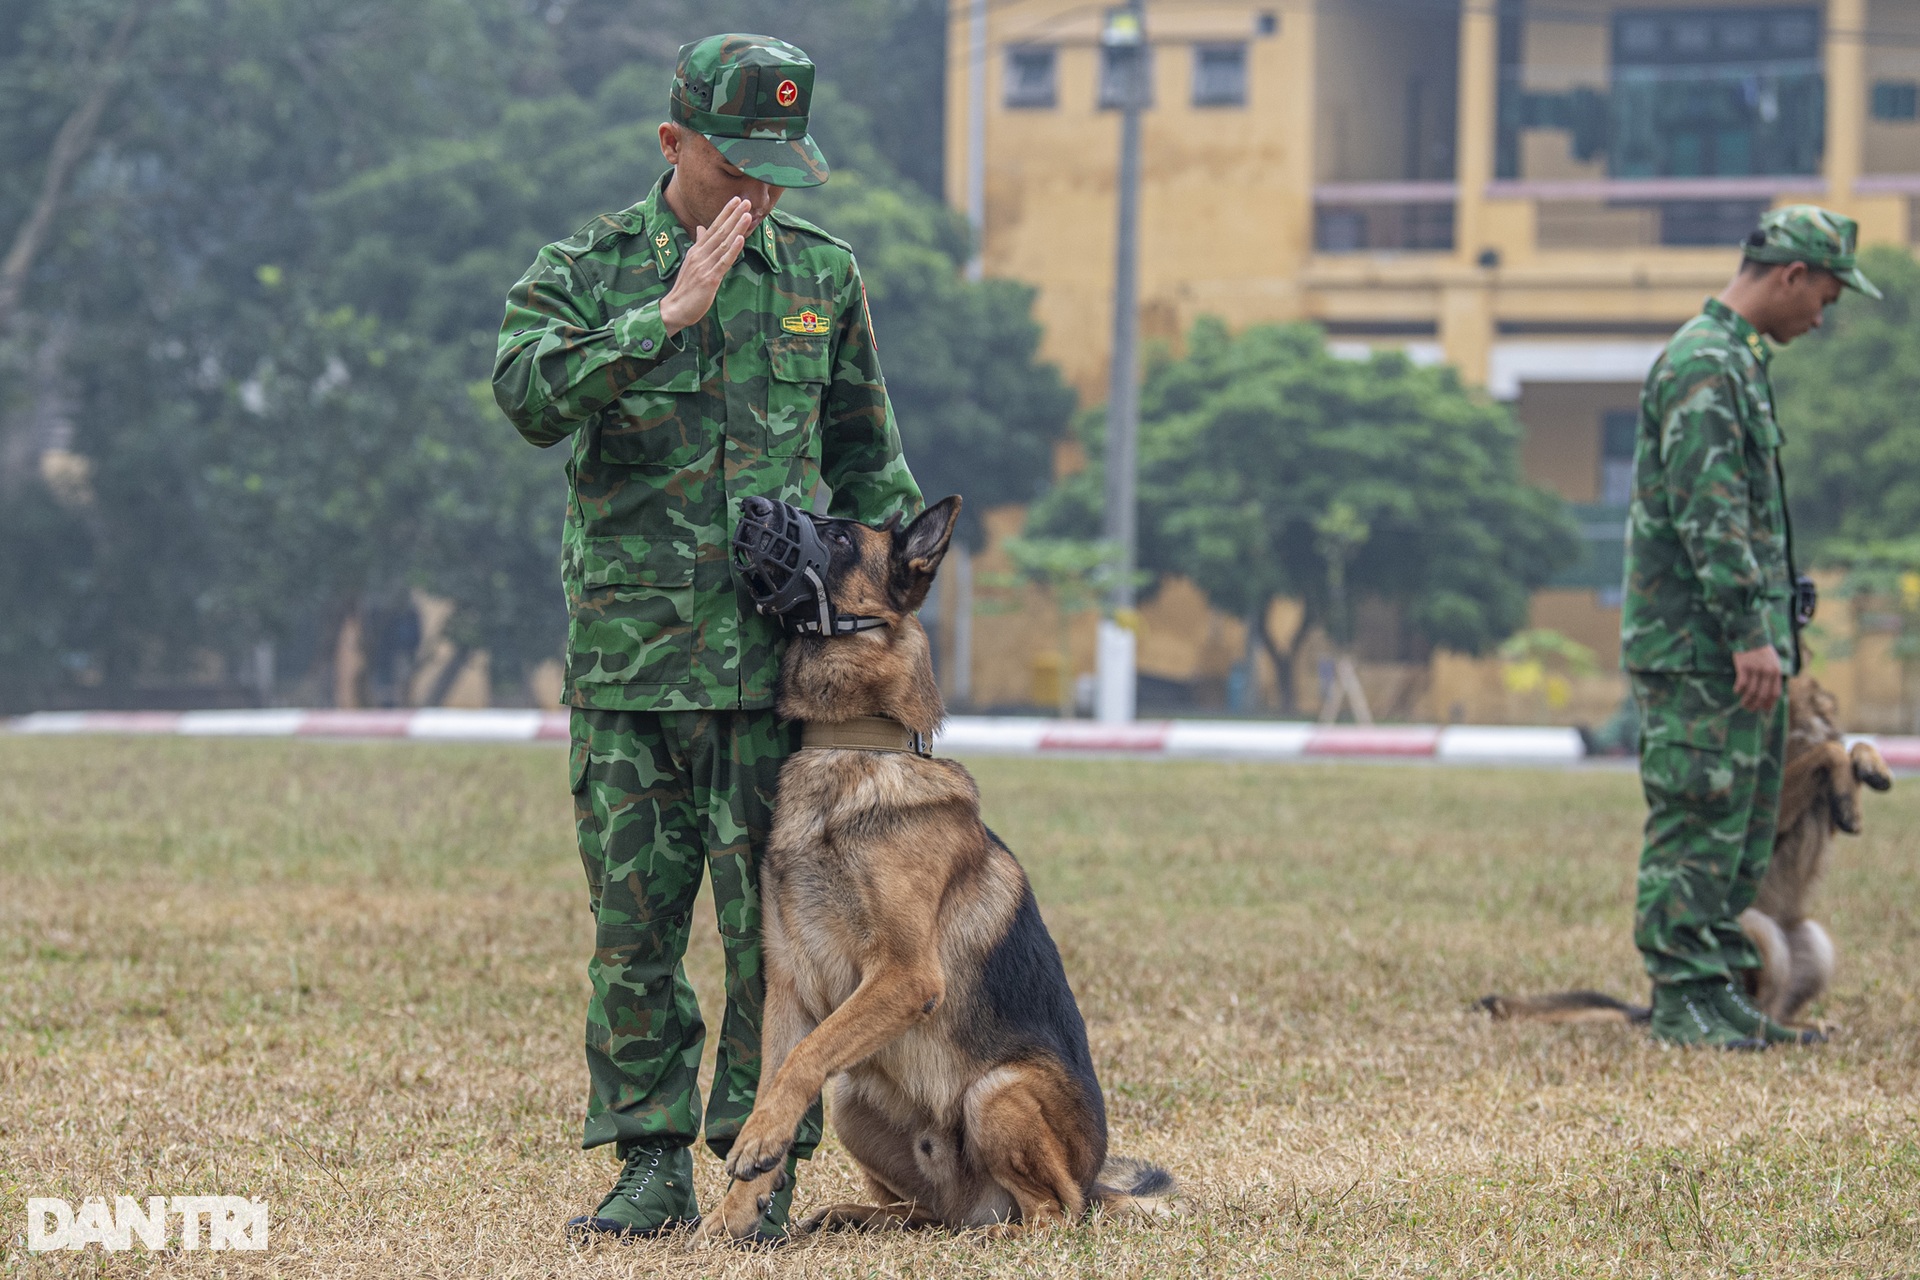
(1869, 768)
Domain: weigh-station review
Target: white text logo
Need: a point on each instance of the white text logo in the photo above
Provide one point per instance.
(204, 1222)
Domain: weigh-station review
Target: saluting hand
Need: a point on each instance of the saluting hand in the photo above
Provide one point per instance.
(716, 246)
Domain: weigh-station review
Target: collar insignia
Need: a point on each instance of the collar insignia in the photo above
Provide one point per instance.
(808, 322)
(662, 240)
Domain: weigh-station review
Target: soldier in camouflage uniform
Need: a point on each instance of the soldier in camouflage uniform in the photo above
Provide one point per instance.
(700, 347)
(1708, 632)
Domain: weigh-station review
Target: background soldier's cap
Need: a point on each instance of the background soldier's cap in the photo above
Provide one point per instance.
(1818, 237)
(750, 95)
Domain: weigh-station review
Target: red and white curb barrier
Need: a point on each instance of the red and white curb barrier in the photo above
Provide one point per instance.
(431, 724)
(1263, 740)
(963, 735)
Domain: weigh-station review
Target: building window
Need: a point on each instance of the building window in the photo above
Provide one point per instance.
(1126, 75)
(1030, 76)
(1220, 75)
(1716, 93)
(1896, 100)
(1617, 430)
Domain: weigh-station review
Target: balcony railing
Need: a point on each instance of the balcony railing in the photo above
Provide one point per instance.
(1573, 213)
(1357, 217)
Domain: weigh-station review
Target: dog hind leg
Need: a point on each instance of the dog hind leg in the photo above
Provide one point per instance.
(908, 1168)
(1812, 952)
(1011, 1135)
(891, 1209)
(1775, 978)
(903, 1215)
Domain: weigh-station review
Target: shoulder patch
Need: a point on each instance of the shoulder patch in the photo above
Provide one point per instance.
(605, 227)
(1704, 342)
(794, 223)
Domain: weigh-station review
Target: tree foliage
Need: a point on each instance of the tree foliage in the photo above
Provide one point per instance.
(1263, 458)
(273, 285)
(1076, 573)
(979, 413)
(1846, 399)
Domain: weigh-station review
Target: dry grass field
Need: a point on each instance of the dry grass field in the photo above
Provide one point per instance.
(349, 978)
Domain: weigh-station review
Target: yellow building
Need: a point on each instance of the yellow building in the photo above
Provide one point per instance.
(1538, 192)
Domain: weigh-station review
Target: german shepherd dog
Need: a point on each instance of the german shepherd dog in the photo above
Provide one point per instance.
(1819, 794)
(905, 957)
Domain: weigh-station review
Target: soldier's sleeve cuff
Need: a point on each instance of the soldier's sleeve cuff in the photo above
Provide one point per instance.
(1750, 631)
(641, 332)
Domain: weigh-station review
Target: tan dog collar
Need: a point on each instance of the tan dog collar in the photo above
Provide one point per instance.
(863, 733)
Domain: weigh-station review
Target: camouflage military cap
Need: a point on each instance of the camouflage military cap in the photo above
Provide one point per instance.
(1818, 237)
(750, 96)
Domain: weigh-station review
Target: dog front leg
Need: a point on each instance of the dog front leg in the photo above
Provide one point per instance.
(890, 1000)
(1805, 775)
(1869, 767)
(784, 1023)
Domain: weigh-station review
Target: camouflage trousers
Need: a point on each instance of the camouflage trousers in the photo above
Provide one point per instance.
(657, 798)
(1711, 773)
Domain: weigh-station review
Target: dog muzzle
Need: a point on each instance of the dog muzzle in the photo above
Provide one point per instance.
(779, 556)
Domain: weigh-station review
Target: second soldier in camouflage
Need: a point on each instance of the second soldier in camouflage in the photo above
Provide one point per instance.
(1707, 627)
(698, 348)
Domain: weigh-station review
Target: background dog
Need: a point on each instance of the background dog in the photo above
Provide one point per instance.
(904, 950)
(1819, 794)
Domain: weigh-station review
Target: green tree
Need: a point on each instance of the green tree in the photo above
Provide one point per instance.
(886, 58)
(273, 278)
(1543, 662)
(979, 411)
(1269, 469)
(1847, 394)
(152, 294)
(1076, 573)
(1884, 574)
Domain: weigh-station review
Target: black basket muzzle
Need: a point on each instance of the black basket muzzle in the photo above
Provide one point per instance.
(778, 554)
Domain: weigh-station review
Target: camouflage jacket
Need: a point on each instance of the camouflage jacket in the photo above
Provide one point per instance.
(776, 389)
(1708, 569)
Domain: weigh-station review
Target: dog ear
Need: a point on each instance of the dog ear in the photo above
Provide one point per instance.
(918, 550)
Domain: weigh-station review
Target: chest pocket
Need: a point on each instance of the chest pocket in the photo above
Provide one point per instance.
(801, 367)
(661, 421)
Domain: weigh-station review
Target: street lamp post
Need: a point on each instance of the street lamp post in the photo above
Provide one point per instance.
(977, 137)
(1124, 47)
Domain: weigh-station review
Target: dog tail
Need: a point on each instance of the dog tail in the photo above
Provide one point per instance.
(1134, 1186)
(1564, 1006)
